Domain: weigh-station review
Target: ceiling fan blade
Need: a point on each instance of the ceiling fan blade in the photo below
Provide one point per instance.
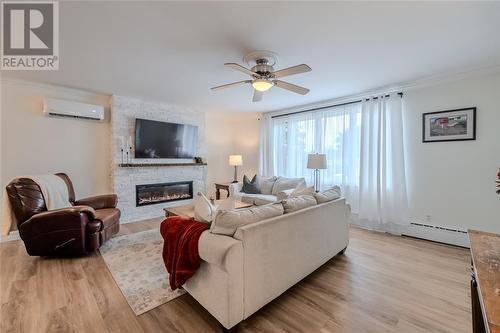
(257, 95)
(234, 84)
(242, 69)
(292, 70)
(292, 87)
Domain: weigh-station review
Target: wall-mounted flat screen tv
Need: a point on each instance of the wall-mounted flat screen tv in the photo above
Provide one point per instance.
(158, 139)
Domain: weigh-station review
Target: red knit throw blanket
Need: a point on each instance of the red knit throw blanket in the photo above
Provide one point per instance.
(180, 248)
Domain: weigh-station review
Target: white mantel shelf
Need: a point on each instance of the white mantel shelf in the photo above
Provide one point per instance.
(145, 165)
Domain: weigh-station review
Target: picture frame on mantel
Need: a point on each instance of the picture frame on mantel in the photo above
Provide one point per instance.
(449, 125)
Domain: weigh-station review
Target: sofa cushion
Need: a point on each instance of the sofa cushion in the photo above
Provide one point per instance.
(298, 203)
(328, 195)
(264, 200)
(266, 184)
(302, 191)
(204, 210)
(227, 221)
(258, 199)
(250, 186)
(283, 183)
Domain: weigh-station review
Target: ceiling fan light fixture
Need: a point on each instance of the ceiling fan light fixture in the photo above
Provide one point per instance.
(262, 84)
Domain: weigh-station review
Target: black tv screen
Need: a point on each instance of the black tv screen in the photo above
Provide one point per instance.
(158, 139)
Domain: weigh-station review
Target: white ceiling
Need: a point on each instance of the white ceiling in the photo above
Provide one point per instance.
(174, 51)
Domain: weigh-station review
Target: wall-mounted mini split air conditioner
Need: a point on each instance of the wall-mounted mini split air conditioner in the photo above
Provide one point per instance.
(62, 108)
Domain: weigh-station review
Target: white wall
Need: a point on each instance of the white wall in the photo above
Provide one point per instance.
(32, 143)
(35, 144)
(227, 134)
(452, 183)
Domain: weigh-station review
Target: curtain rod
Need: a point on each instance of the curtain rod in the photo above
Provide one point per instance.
(330, 106)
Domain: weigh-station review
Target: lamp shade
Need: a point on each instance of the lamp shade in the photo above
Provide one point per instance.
(316, 161)
(235, 160)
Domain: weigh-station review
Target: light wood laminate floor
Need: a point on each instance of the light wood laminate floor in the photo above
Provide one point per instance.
(383, 283)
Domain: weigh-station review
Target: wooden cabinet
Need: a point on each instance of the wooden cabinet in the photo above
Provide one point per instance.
(485, 281)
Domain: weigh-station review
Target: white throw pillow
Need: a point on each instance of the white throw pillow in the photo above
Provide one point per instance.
(266, 184)
(204, 210)
(226, 222)
(284, 194)
(328, 195)
(302, 191)
(283, 183)
(298, 203)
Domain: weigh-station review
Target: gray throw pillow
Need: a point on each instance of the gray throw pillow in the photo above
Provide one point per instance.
(250, 186)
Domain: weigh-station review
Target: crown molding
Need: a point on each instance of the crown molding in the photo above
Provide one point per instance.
(398, 87)
(447, 78)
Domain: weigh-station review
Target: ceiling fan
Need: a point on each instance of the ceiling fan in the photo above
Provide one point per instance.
(263, 76)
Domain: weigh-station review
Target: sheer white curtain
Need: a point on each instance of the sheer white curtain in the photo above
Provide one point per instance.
(340, 141)
(266, 155)
(363, 143)
(335, 132)
(300, 141)
(382, 194)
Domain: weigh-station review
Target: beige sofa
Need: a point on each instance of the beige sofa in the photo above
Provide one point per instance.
(239, 275)
(272, 189)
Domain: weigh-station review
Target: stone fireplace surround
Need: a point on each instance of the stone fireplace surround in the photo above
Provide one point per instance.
(124, 110)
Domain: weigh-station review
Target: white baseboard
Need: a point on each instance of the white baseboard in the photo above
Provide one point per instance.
(432, 234)
(437, 235)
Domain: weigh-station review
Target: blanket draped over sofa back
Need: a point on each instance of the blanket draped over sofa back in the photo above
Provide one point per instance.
(180, 248)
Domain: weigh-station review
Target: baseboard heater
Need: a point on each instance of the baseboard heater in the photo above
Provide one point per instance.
(438, 233)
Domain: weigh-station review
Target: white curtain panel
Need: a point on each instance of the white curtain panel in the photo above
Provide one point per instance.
(382, 185)
(340, 136)
(266, 156)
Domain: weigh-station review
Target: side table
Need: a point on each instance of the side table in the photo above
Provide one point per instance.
(221, 186)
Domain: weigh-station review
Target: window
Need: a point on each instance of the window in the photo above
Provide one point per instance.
(335, 132)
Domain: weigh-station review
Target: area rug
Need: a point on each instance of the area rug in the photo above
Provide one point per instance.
(136, 263)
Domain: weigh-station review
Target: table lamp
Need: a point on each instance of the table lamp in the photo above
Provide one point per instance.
(316, 162)
(235, 160)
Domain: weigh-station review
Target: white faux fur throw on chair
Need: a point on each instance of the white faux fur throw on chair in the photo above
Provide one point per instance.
(54, 191)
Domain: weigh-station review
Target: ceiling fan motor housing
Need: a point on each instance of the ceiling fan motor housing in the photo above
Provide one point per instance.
(262, 68)
(263, 60)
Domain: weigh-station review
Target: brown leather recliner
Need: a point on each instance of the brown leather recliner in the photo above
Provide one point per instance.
(71, 231)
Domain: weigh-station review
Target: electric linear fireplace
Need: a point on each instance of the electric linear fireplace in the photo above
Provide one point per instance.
(164, 192)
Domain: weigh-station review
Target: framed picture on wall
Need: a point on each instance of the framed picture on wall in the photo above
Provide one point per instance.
(450, 125)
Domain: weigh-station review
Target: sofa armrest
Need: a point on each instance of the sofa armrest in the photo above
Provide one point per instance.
(218, 283)
(220, 250)
(235, 189)
(54, 220)
(99, 201)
